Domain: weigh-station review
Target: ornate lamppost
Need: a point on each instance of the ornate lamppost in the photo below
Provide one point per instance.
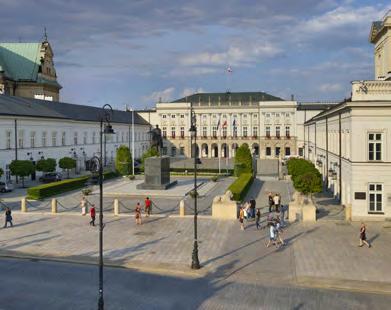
(97, 166)
(195, 263)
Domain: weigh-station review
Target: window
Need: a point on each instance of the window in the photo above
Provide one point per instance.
(375, 197)
(255, 131)
(182, 115)
(172, 115)
(235, 132)
(85, 138)
(117, 137)
(375, 146)
(301, 151)
(164, 116)
(20, 139)
(63, 138)
(173, 132)
(287, 151)
(224, 132)
(204, 132)
(173, 151)
(122, 137)
(32, 139)
(75, 138)
(267, 131)
(244, 131)
(255, 116)
(8, 140)
(278, 150)
(268, 151)
(44, 136)
(287, 131)
(204, 116)
(277, 131)
(54, 138)
(93, 137)
(182, 150)
(164, 132)
(182, 132)
(214, 131)
(244, 115)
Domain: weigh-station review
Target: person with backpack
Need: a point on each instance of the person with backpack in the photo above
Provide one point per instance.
(92, 214)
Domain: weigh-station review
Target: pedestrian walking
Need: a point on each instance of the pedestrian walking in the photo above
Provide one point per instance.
(148, 204)
(279, 232)
(241, 218)
(276, 200)
(272, 235)
(363, 236)
(252, 207)
(92, 214)
(8, 217)
(283, 209)
(271, 201)
(137, 212)
(83, 205)
(258, 218)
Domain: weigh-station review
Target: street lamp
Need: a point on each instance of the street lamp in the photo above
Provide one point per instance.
(195, 263)
(97, 166)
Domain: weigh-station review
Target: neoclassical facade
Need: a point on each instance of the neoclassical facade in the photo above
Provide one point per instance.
(271, 126)
(350, 143)
(32, 129)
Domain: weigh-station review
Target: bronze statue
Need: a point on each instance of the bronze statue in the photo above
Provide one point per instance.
(156, 138)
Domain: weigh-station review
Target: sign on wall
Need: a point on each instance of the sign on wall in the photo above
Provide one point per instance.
(360, 195)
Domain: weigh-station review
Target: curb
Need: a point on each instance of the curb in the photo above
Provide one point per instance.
(161, 269)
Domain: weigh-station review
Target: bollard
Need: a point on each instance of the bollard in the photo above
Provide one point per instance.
(54, 206)
(182, 208)
(23, 205)
(116, 207)
(348, 212)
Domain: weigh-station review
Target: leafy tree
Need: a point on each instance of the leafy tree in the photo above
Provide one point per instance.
(22, 168)
(67, 163)
(243, 160)
(309, 183)
(151, 152)
(46, 165)
(123, 160)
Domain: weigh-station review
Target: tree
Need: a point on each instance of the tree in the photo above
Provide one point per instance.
(123, 160)
(67, 163)
(46, 165)
(309, 183)
(243, 160)
(22, 168)
(151, 152)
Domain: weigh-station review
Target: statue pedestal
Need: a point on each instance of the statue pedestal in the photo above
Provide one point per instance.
(156, 173)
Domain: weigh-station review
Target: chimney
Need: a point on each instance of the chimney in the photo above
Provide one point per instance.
(292, 97)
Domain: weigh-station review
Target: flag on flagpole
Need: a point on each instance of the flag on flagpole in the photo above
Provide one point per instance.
(234, 123)
(229, 69)
(218, 124)
(225, 123)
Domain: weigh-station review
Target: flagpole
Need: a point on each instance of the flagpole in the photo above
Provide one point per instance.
(219, 147)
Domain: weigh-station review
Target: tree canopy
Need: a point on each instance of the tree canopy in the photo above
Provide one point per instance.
(46, 165)
(67, 163)
(151, 152)
(22, 168)
(243, 160)
(123, 160)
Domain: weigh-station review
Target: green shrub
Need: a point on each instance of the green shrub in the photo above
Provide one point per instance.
(123, 160)
(131, 177)
(306, 178)
(110, 175)
(214, 178)
(50, 189)
(67, 163)
(243, 160)
(151, 152)
(241, 185)
(22, 168)
(86, 191)
(46, 165)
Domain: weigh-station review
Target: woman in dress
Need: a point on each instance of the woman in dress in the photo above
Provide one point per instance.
(241, 218)
(137, 212)
(363, 236)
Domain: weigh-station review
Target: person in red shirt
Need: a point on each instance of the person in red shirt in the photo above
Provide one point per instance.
(148, 204)
(92, 214)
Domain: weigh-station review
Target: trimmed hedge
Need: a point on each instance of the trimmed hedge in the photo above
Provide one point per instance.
(306, 178)
(50, 189)
(110, 175)
(240, 187)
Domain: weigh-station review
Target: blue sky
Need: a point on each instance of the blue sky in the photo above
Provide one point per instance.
(135, 52)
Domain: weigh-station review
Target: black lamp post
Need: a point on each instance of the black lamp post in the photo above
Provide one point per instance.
(97, 166)
(195, 263)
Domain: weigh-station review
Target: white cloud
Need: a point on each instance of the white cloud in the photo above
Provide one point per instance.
(162, 95)
(330, 87)
(189, 91)
(189, 71)
(235, 55)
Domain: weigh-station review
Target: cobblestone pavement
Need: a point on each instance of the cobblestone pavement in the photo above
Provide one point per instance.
(58, 286)
(321, 251)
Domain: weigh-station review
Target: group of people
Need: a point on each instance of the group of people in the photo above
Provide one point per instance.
(137, 211)
(247, 212)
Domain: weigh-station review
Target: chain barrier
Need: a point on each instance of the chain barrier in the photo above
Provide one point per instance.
(3, 206)
(67, 208)
(127, 208)
(30, 205)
